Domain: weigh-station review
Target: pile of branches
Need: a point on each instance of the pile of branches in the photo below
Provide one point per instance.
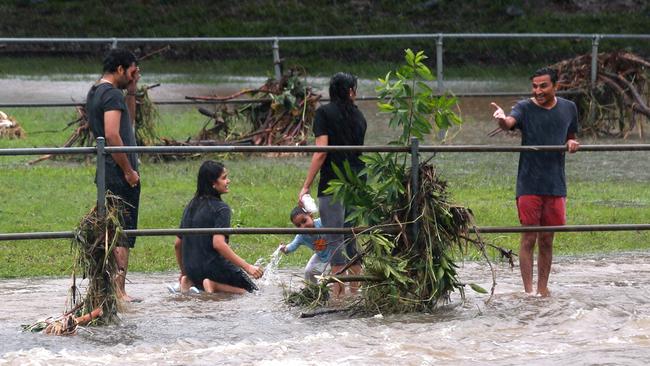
(93, 246)
(403, 273)
(146, 115)
(618, 102)
(281, 114)
(9, 127)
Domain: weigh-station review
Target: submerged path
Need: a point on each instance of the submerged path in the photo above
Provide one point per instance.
(599, 313)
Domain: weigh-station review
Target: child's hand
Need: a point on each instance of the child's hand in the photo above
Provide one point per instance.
(283, 248)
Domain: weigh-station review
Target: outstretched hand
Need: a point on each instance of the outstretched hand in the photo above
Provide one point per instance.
(499, 114)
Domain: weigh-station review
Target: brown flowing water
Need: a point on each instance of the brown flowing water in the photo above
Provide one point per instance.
(599, 312)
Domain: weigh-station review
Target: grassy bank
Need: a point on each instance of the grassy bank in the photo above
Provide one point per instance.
(54, 195)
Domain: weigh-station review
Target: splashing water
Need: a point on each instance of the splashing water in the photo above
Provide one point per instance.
(271, 270)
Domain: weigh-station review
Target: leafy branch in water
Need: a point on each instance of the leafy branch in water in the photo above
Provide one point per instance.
(409, 273)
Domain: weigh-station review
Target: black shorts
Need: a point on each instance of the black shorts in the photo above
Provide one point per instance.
(221, 271)
(117, 185)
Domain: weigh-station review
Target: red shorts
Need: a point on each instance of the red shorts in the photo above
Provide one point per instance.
(541, 210)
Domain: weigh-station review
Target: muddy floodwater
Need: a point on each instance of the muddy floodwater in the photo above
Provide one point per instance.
(599, 314)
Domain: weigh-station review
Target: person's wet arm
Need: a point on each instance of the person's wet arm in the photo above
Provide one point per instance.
(113, 138)
(219, 244)
(317, 161)
(178, 249)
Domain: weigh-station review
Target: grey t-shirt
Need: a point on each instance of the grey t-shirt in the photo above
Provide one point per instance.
(104, 97)
(542, 173)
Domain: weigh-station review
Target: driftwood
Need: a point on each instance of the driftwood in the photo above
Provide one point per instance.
(617, 104)
(146, 113)
(620, 96)
(282, 114)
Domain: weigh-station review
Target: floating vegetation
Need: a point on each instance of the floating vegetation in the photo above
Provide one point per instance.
(93, 246)
(408, 250)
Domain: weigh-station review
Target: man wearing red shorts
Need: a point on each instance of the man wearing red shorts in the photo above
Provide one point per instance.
(543, 119)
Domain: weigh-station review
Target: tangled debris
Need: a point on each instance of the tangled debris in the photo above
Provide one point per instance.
(93, 246)
(408, 250)
(9, 127)
(146, 116)
(281, 114)
(618, 102)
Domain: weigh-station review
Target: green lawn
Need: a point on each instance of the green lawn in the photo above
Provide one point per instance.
(54, 195)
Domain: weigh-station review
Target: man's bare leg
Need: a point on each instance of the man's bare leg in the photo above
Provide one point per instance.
(544, 260)
(122, 260)
(526, 252)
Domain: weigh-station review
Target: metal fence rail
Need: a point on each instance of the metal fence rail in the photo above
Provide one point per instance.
(414, 149)
(357, 230)
(596, 39)
(264, 100)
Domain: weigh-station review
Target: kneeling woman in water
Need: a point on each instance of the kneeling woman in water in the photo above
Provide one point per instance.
(207, 261)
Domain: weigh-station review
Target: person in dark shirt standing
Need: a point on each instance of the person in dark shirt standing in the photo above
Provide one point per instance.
(339, 122)
(543, 119)
(111, 115)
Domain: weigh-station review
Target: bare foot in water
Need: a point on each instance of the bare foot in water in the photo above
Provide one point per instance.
(543, 293)
(129, 299)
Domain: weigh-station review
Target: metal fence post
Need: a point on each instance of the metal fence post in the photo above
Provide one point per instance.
(114, 43)
(439, 63)
(594, 59)
(415, 187)
(277, 63)
(101, 177)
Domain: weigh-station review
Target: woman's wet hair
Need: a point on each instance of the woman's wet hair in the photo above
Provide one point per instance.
(546, 71)
(340, 85)
(118, 57)
(297, 211)
(209, 172)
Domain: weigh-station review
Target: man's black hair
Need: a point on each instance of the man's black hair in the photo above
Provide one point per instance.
(118, 57)
(546, 71)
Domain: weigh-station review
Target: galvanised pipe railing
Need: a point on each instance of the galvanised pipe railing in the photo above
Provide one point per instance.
(263, 100)
(357, 230)
(415, 149)
(596, 40)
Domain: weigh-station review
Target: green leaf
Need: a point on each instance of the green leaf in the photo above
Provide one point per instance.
(478, 288)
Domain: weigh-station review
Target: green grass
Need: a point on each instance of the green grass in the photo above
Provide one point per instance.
(54, 195)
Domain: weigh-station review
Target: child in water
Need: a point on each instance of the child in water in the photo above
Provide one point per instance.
(319, 262)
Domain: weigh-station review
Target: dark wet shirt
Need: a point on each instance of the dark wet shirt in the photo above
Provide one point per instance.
(331, 121)
(203, 212)
(100, 99)
(542, 173)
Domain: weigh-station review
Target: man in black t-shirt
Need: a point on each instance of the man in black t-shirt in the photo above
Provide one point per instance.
(112, 116)
(543, 119)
